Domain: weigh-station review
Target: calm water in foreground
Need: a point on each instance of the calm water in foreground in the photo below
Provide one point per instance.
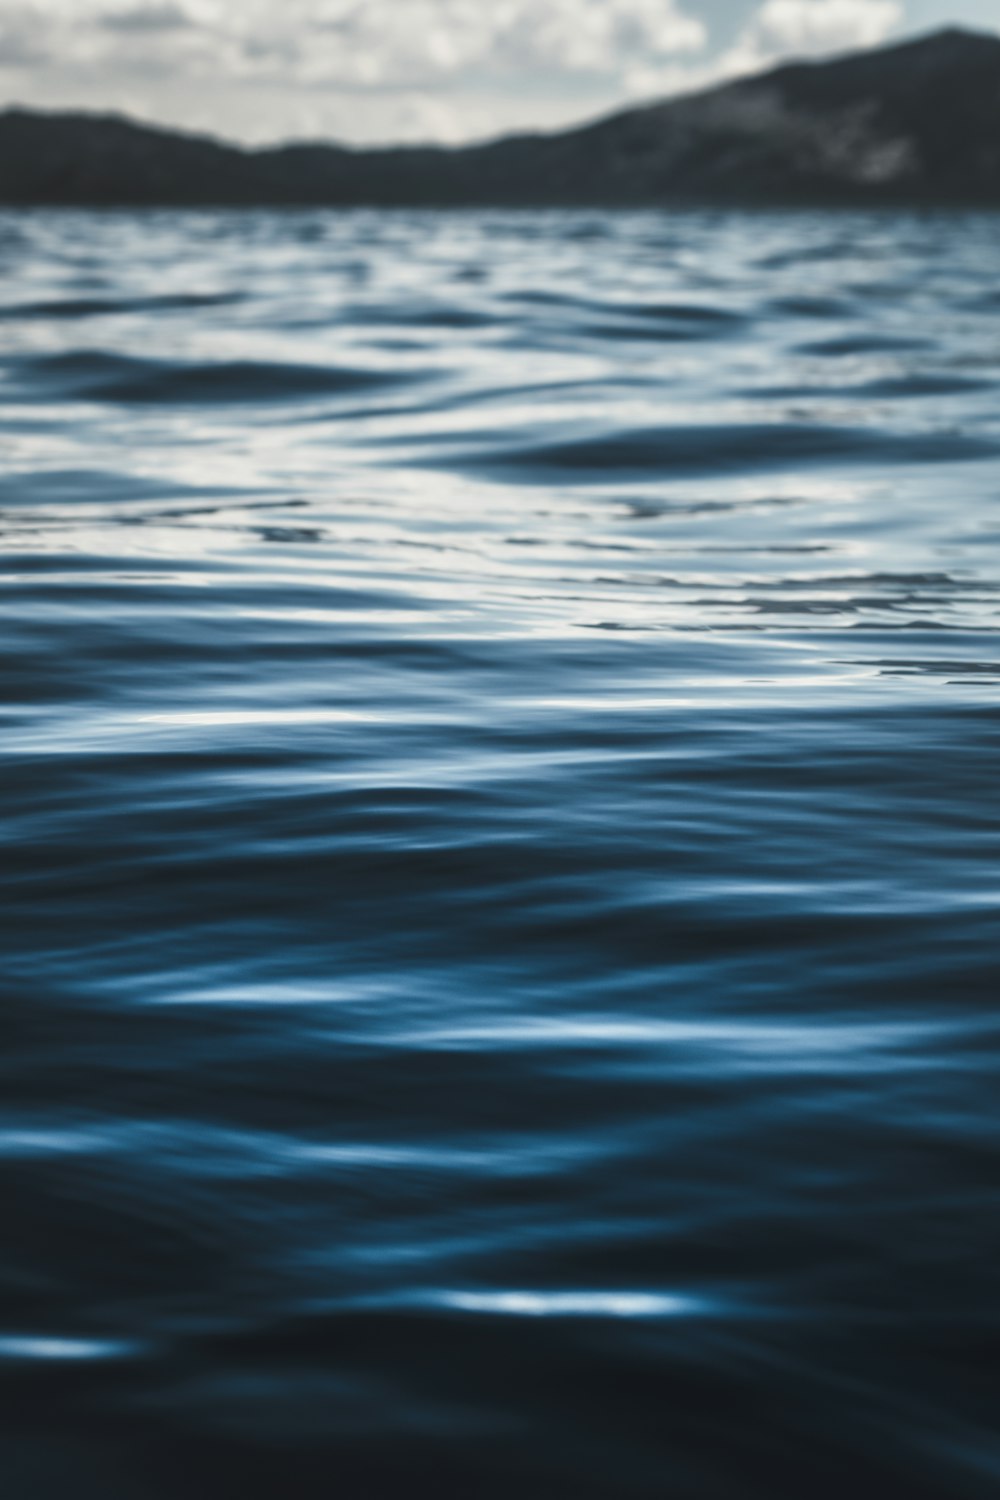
(499, 741)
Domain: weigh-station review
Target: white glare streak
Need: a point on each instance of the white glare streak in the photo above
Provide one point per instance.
(519, 1304)
(55, 1350)
(224, 718)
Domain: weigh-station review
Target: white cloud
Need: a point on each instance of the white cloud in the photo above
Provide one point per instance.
(363, 43)
(388, 69)
(395, 69)
(807, 28)
(19, 46)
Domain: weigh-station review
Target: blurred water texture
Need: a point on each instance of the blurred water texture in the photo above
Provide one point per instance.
(500, 855)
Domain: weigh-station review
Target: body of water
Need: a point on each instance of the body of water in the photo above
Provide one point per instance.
(499, 739)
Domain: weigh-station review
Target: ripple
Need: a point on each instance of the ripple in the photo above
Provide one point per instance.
(697, 450)
(73, 308)
(871, 343)
(98, 376)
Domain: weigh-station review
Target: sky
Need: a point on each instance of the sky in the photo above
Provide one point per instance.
(409, 70)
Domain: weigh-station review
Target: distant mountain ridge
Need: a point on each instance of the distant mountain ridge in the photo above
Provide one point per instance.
(918, 122)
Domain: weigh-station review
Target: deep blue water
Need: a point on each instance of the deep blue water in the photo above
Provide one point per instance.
(499, 739)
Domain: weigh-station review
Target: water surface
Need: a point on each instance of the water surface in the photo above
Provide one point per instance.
(500, 834)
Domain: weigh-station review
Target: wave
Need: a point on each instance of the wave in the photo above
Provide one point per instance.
(890, 387)
(694, 450)
(127, 379)
(75, 308)
(864, 343)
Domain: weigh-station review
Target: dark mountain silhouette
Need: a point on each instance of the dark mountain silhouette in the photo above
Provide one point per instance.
(917, 122)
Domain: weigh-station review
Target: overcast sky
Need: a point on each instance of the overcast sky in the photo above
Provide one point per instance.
(390, 70)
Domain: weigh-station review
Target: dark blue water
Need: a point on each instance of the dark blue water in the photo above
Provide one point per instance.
(500, 887)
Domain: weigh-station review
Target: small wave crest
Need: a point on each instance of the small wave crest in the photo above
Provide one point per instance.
(123, 379)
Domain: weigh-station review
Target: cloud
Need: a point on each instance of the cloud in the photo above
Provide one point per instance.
(395, 69)
(417, 43)
(19, 47)
(146, 18)
(363, 43)
(806, 28)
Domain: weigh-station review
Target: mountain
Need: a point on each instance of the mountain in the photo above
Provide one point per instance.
(913, 123)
